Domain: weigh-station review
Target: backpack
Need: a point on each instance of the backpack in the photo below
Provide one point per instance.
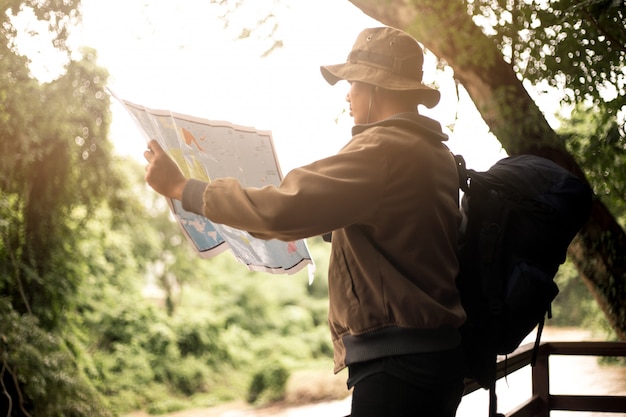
(518, 218)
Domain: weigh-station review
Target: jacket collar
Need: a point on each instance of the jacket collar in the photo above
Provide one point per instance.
(412, 121)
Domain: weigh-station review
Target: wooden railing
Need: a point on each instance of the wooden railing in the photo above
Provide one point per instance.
(542, 402)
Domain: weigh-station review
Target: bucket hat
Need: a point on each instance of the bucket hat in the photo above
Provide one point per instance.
(388, 58)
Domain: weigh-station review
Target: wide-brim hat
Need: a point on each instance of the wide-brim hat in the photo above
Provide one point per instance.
(388, 58)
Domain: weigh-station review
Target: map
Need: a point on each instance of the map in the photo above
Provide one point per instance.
(205, 149)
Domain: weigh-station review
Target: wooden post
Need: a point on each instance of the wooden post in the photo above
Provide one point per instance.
(541, 380)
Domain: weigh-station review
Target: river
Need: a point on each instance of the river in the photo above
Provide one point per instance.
(568, 375)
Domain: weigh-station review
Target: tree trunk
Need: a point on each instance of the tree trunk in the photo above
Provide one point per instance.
(446, 29)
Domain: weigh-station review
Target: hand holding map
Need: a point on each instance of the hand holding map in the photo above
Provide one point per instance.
(205, 149)
(162, 173)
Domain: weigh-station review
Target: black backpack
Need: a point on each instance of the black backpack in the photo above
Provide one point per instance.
(519, 217)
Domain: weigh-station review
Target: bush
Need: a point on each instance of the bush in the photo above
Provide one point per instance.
(201, 338)
(268, 384)
(38, 368)
(188, 375)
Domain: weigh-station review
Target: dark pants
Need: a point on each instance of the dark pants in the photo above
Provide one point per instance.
(422, 385)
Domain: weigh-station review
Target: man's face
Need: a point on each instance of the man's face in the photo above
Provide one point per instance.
(359, 99)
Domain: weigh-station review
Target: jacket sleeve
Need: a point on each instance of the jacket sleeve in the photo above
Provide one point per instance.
(312, 200)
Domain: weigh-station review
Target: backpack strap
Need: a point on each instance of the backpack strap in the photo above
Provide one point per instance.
(493, 400)
(472, 183)
(462, 171)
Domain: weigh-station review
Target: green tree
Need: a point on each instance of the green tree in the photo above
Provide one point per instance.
(496, 48)
(54, 169)
(598, 142)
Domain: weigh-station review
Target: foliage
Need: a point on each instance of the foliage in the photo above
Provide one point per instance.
(54, 161)
(572, 291)
(579, 46)
(40, 191)
(599, 143)
(39, 372)
(209, 348)
(579, 49)
(586, 314)
(268, 384)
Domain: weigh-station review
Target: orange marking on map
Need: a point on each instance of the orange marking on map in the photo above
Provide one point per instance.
(190, 138)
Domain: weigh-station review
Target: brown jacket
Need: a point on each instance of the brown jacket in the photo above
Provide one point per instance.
(390, 198)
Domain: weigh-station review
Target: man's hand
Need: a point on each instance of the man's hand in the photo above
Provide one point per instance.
(162, 174)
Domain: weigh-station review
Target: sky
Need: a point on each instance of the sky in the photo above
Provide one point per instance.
(180, 56)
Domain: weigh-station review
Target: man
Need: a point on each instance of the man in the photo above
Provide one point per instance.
(390, 199)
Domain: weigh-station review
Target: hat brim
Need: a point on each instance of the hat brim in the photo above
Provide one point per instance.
(381, 78)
